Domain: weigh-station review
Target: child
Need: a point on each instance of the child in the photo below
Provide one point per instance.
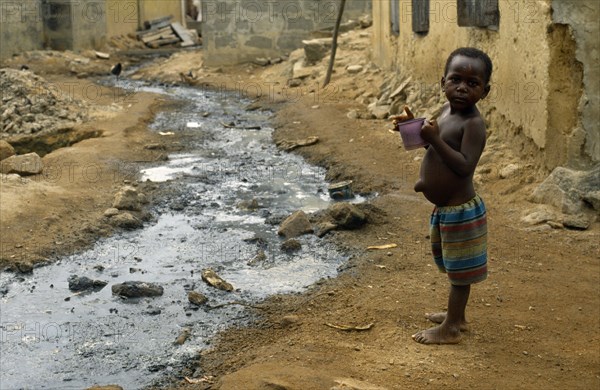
(458, 221)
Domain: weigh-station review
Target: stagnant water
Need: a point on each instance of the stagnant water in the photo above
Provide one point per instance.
(51, 339)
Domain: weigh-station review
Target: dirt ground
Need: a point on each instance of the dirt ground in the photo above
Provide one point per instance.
(535, 322)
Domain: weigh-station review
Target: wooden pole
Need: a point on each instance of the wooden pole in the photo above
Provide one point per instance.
(336, 29)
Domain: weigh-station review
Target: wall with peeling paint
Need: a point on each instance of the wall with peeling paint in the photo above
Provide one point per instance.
(544, 97)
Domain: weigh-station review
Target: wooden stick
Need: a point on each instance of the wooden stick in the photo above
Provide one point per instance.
(334, 43)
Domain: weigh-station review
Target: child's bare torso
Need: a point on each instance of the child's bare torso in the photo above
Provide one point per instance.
(440, 185)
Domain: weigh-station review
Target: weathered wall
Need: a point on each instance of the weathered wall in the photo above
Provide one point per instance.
(74, 25)
(582, 18)
(21, 27)
(122, 17)
(77, 25)
(152, 9)
(240, 31)
(125, 16)
(532, 71)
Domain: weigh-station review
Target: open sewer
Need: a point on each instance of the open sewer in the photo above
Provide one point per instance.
(53, 339)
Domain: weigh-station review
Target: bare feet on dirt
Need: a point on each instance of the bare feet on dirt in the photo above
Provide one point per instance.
(439, 335)
(439, 317)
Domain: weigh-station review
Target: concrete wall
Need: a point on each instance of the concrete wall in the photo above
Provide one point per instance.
(152, 9)
(74, 24)
(21, 27)
(237, 31)
(126, 16)
(536, 85)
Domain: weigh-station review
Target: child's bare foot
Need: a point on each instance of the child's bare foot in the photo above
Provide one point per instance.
(438, 318)
(438, 335)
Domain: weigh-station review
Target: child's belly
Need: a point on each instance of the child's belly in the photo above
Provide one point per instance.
(440, 185)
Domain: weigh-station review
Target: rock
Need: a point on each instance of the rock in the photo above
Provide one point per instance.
(293, 83)
(365, 21)
(183, 336)
(135, 289)
(352, 114)
(568, 189)
(295, 225)
(324, 227)
(593, 199)
(259, 258)
(290, 320)
(196, 298)
(400, 88)
(291, 245)
(107, 387)
(249, 204)
(6, 150)
(346, 215)
(111, 212)
(380, 112)
(24, 267)
(154, 146)
(261, 61)
(540, 214)
(508, 171)
(82, 283)
(126, 221)
(354, 384)
(555, 225)
(152, 311)
(354, 69)
(578, 221)
(211, 277)
(127, 199)
(300, 72)
(25, 164)
(316, 49)
(142, 198)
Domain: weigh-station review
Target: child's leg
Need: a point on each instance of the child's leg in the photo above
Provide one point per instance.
(440, 317)
(449, 330)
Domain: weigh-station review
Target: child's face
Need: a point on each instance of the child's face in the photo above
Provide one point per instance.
(464, 84)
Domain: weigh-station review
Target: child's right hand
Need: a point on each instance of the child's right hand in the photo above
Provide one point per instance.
(405, 116)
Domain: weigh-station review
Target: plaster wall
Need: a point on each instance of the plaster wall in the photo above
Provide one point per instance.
(536, 83)
(122, 17)
(126, 16)
(582, 18)
(239, 31)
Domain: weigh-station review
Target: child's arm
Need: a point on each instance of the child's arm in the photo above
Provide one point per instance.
(463, 161)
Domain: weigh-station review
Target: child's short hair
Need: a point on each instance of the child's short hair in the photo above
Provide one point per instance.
(472, 52)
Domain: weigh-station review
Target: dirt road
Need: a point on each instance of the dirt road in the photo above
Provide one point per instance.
(534, 323)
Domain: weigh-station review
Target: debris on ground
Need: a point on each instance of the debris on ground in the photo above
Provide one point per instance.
(162, 32)
(31, 104)
(214, 280)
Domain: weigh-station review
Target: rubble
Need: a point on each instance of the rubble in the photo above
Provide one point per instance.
(161, 32)
(30, 104)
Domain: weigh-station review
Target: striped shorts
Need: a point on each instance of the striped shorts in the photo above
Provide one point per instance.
(459, 241)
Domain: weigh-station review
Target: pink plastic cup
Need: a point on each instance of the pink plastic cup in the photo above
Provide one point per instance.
(410, 131)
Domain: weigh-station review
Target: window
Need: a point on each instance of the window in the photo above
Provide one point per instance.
(478, 13)
(395, 16)
(420, 16)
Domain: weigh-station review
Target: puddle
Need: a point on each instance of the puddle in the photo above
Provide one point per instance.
(51, 338)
